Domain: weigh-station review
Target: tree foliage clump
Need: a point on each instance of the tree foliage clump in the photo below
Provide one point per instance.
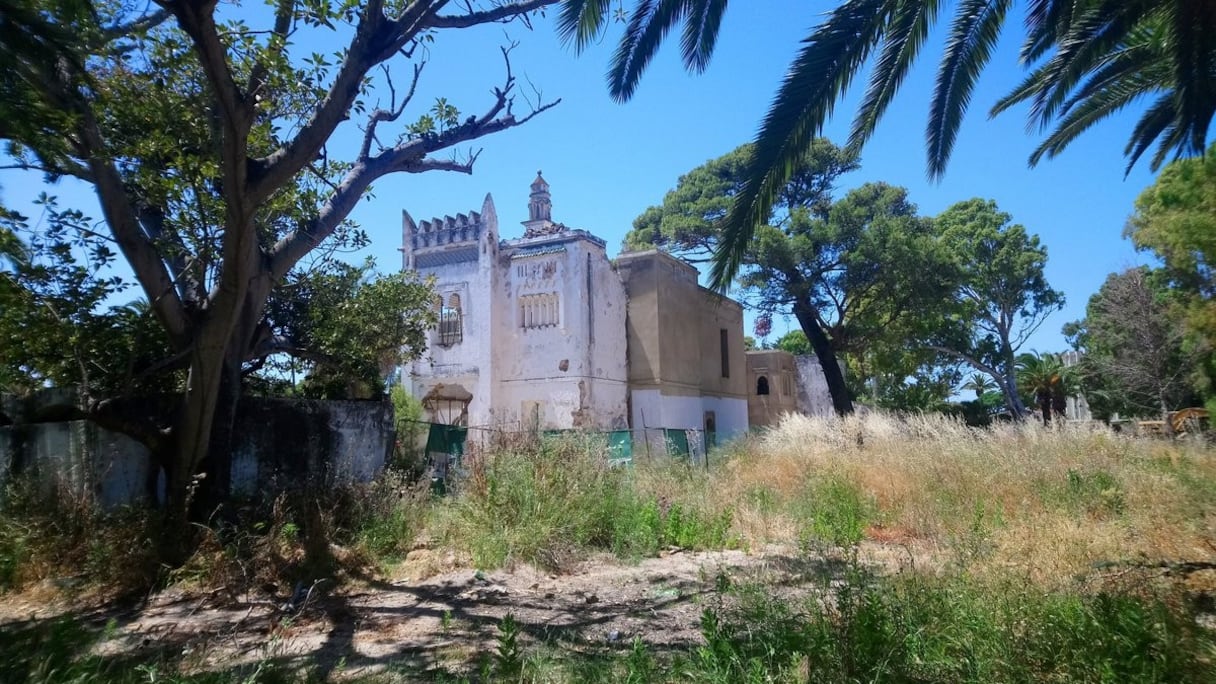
(1138, 356)
(1175, 219)
(1001, 296)
(853, 272)
(208, 143)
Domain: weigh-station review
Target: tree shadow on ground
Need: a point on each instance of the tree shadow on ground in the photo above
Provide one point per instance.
(424, 629)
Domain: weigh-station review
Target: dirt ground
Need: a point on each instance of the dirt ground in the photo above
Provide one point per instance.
(442, 621)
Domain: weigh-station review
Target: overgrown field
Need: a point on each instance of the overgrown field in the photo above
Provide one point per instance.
(1014, 554)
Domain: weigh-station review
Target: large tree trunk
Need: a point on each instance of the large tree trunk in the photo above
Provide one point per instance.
(192, 440)
(216, 466)
(1009, 384)
(1012, 401)
(200, 474)
(827, 360)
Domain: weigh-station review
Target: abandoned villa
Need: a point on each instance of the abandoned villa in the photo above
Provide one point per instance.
(544, 331)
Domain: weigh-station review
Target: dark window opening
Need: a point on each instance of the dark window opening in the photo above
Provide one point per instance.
(762, 385)
(725, 353)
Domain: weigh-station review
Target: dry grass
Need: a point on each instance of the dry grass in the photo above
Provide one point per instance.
(1048, 503)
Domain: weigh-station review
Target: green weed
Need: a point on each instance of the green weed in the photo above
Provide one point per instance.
(834, 511)
(550, 501)
(1097, 493)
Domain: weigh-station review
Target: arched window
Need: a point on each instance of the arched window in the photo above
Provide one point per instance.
(762, 385)
(451, 329)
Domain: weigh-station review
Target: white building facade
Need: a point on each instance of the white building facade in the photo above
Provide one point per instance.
(537, 329)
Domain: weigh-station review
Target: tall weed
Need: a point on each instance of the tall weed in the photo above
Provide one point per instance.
(551, 501)
(67, 538)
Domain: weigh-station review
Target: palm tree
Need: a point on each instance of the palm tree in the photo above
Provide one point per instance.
(981, 384)
(1107, 53)
(1047, 380)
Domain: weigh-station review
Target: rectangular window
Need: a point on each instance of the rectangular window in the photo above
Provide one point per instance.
(787, 385)
(539, 310)
(450, 330)
(725, 353)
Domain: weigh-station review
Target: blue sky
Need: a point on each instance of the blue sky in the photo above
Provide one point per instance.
(607, 162)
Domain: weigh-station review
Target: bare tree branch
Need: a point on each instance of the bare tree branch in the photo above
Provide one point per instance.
(376, 39)
(139, 25)
(504, 12)
(274, 49)
(275, 344)
(123, 220)
(392, 113)
(410, 157)
(196, 18)
(65, 168)
(967, 358)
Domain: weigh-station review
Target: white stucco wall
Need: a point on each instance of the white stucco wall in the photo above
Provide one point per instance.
(574, 365)
(468, 363)
(652, 409)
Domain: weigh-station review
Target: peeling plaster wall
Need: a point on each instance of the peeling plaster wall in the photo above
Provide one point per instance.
(76, 457)
(574, 365)
(467, 267)
(330, 442)
(675, 348)
(814, 399)
(778, 369)
(570, 336)
(560, 361)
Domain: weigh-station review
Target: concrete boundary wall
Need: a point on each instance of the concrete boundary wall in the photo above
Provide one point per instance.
(278, 442)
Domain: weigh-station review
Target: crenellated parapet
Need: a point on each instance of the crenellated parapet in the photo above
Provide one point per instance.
(448, 230)
(447, 240)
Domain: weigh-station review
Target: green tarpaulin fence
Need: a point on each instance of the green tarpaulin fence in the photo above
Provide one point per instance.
(620, 442)
(620, 446)
(445, 447)
(677, 442)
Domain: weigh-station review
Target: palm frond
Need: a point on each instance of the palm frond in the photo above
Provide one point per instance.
(1154, 121)
(818, 77)
(1089, 111)
(649, 24)
(902, 40)
(1046, 22)
(1194, 50)
(1091, 37)
(1022, 92)
(581, 21)
(1141, 60)
(973, 35)
(701, 32)
(1173, 139)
